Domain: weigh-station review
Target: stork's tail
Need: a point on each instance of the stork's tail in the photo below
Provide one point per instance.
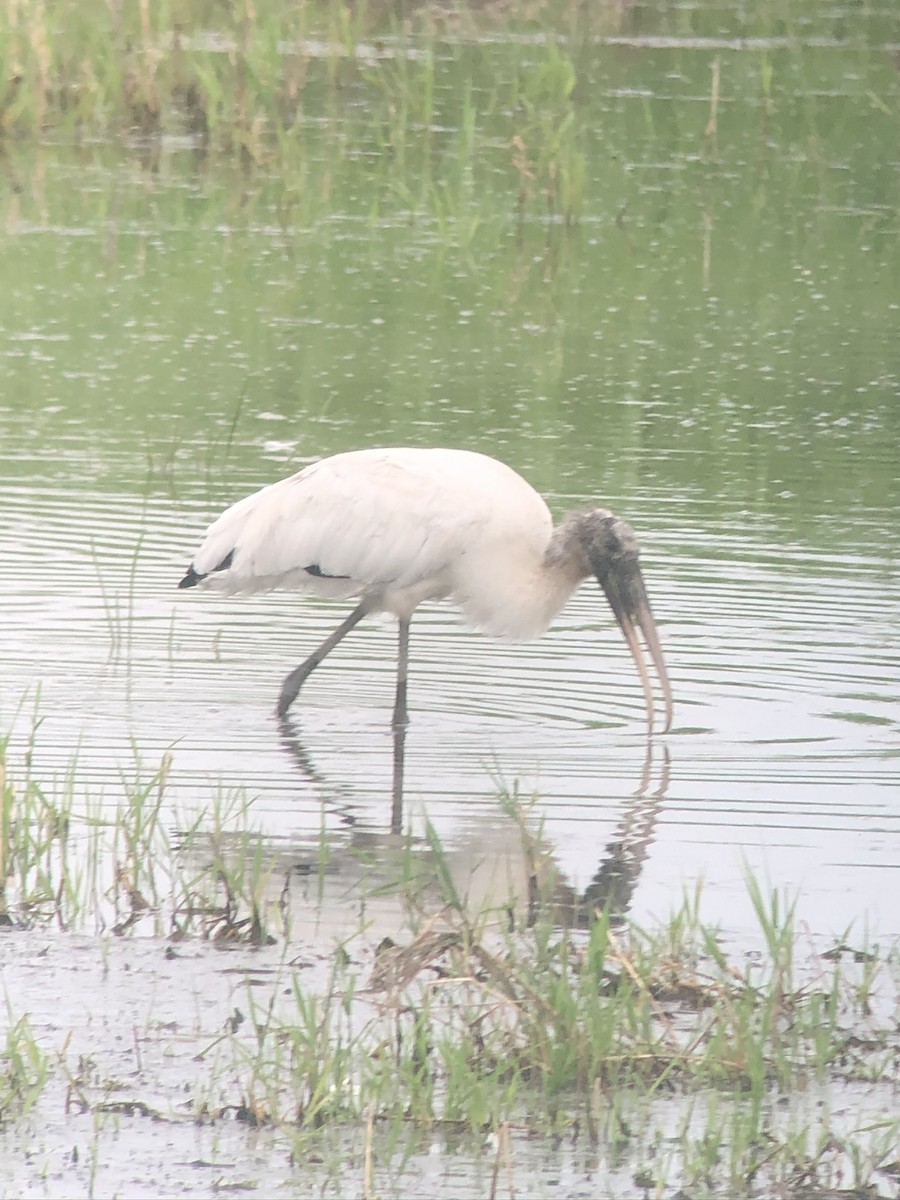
(192, 578)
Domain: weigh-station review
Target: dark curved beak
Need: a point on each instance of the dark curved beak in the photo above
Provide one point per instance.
(623, 584)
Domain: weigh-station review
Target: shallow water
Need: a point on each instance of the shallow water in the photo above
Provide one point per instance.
(782, 758)
(719, 365)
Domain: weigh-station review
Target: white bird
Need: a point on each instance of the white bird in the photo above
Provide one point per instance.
(397, 527)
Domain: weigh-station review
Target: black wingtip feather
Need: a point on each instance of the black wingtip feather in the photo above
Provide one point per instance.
(191, 579)
(315, 570)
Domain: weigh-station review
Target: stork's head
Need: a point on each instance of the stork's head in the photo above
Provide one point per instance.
(609, 548)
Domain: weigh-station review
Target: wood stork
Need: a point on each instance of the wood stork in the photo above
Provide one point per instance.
(397, 527)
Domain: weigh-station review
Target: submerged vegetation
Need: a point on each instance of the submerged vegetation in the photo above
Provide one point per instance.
(250, 81)
(425, 99)
(490, 1024)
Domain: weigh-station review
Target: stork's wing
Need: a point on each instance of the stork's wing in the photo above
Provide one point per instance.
(347, 523)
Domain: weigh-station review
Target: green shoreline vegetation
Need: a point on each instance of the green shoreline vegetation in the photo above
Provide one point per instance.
(241, 82)
(257, 82)
(487, 1023)
(234, 74)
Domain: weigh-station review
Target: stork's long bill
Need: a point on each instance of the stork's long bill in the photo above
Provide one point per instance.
(623, 584)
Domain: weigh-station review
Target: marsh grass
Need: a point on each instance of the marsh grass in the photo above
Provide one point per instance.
(112, 863)
(489, 1024)
(119, 609)
(546, 150)
(25, 1069)
(475, 1025)
(224, 878)
(279, 88)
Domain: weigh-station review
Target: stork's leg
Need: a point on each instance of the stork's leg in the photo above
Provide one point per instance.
(297, 677)
(401, 713)
(399, 723)
(399, 736)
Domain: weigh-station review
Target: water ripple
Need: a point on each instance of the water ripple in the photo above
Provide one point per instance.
(783, 660)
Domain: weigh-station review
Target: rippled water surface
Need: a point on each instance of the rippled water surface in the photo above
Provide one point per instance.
(711, 350)
(783, 755)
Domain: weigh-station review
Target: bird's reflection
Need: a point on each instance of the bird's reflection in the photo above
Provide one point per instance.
(619, 869)
(334, 795)
(542, 883)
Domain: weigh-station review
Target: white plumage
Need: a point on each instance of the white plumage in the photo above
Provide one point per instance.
(396, 527)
